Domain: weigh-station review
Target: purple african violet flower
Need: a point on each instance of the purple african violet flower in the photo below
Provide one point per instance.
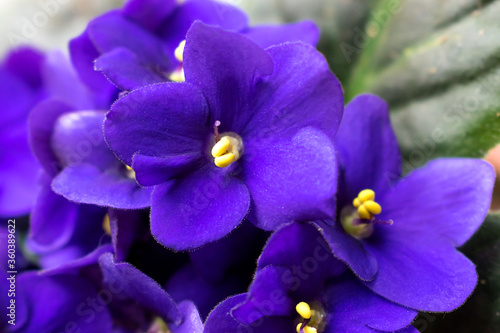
(274, 112)
(300, 287)
(97, 294)
(67, 139)
(135, 46)
(20, 89)
(400, 235)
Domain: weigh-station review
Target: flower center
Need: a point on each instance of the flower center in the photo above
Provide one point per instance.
(358, 221)
(366, 205)
(228, 147)
(313, 320)
(178, 74)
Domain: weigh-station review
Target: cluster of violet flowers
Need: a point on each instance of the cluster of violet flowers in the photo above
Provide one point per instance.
(185, 172)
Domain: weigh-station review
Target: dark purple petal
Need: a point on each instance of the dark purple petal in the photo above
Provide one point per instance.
(447, 197)
(75, 266)
(225, 66)
(156, 170)
(221, 320)
(19, 172)
(77, 138)
(112, 30)
(186, 284)
(240, 248)
(54, 302)
(62, 83)
(267, 296)
(61, 230)
(139, 287)
(355, 308)
(301, 248)
(191, 321)
(158, 120)
(295, 180)
(125, 225)
(149, 14)
(83, 54)
(210, 12)
(301, 92)
(422, 271)
(434, 209)
(269, 35)
(16, 98)
(85, 183)
(122, 67)
(350, 250)
(41, 125)
(198, 209)
(367, 148)
(26, 63)
(53, 220)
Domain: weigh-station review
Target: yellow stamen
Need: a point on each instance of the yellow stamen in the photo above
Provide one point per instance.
(227, 150)
(130, 172)
(224, 160)
(106, 225)
(179, 51)
(366, 205)
(306, 329)
(177, 75)
(304, 310)
(221, 147)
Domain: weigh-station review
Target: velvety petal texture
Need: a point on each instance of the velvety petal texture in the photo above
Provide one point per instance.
(225, 66)
(360, 310)
(367, 148)
(139, 287)
(193, 211)
(276, 199)
(437, 207)
(146, 115)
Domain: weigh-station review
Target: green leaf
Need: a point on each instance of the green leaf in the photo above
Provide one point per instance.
(481, 312)
(438, 66)
(339, 21)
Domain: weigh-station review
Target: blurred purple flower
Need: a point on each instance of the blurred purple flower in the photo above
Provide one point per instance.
(20, 89)
(135, 46)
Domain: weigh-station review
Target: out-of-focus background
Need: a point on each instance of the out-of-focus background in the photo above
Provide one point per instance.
(49, 24)
(46, 23)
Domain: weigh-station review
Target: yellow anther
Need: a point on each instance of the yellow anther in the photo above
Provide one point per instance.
(366, 195)
(130, 172)
(366, 205)
(306, 329)
(227, 150)
(221, 147)
(106, 225)
(304, 310)
(177, 75)
(373, 207)
(356, 203)
(179, 51)
(224, 160)
(364, 213)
